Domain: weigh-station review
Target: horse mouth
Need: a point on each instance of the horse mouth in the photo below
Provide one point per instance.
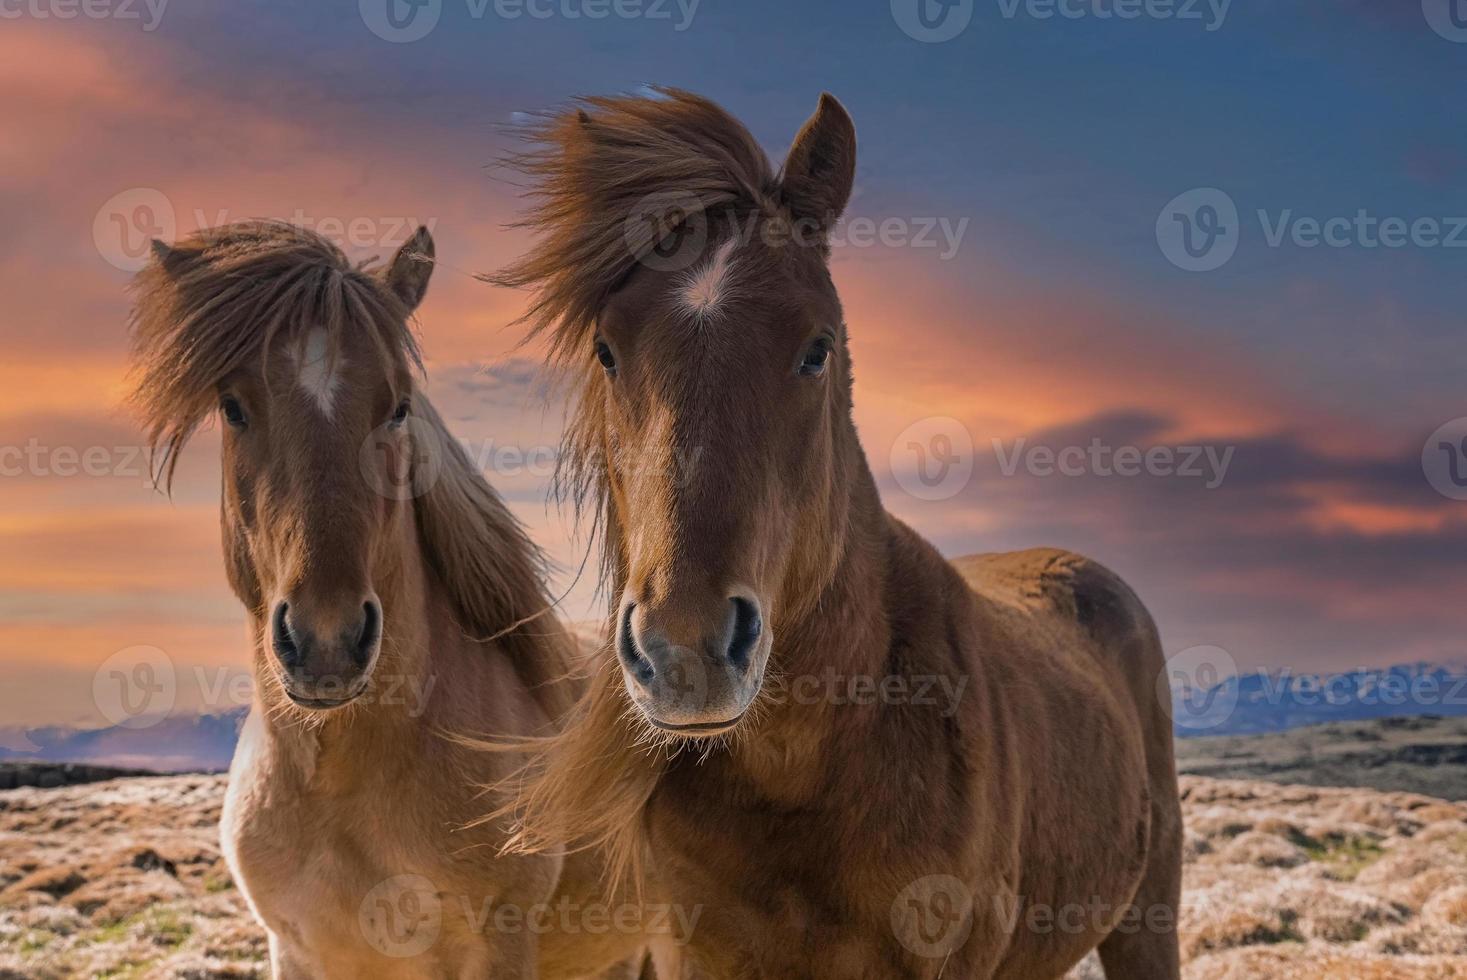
(323, 703)
(702, 728)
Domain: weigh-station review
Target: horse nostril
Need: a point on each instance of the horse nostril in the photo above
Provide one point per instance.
(371, 632)
(627, 650)
(744, 637)
(282, 638)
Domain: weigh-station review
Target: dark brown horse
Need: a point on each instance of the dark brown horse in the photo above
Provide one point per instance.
(394, 602)
(685, 284)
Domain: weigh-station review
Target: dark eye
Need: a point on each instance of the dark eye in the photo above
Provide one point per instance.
(813, 364)
(400, 416)
(606, 357)
(232, 411)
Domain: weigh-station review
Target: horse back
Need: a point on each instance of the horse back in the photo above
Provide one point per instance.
(1082, 608)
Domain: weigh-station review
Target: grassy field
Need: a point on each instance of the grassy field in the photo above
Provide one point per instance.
(123, 879)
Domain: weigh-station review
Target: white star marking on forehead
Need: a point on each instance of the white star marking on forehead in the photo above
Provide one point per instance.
(702, 292)
(316, 372)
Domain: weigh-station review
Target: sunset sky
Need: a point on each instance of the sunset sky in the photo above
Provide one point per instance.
(1040, 152)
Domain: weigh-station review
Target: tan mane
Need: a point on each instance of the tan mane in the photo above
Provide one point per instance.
(218, 301)
(222, 297)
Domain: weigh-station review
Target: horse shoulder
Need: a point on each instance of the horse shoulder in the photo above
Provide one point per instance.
(1059, 584)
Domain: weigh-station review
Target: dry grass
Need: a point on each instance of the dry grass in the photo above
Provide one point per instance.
(121, 879)
(124, 879)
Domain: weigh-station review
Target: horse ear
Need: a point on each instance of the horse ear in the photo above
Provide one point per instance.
(411, 269)
(821, 167)
(169, 258)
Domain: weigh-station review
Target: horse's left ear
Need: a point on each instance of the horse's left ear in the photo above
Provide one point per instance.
(821, 167)
(411, 269)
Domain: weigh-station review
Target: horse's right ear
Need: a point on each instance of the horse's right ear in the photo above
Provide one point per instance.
(820, 170)
(411, 269)
(170, 259)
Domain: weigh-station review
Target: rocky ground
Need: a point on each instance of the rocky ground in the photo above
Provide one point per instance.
(124, 879)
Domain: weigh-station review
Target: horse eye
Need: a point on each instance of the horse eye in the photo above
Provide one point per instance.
(400, 416)
(233, 412)
(606, 357)
(813, 365)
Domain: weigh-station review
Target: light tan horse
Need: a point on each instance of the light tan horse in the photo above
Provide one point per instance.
(394, 602)
(772, 619)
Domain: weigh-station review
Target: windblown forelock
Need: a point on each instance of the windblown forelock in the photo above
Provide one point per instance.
(597, 166)
(219, 302)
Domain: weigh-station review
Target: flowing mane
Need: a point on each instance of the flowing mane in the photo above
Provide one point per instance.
(219, 301)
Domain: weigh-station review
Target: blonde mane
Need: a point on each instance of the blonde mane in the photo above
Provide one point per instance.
(220, 299)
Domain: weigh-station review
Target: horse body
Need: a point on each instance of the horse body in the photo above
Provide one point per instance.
(855, 833)
(806, 842)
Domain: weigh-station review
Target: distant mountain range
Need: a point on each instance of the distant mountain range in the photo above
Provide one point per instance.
(178, 743)
(1247, 704)
(1262, 702)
